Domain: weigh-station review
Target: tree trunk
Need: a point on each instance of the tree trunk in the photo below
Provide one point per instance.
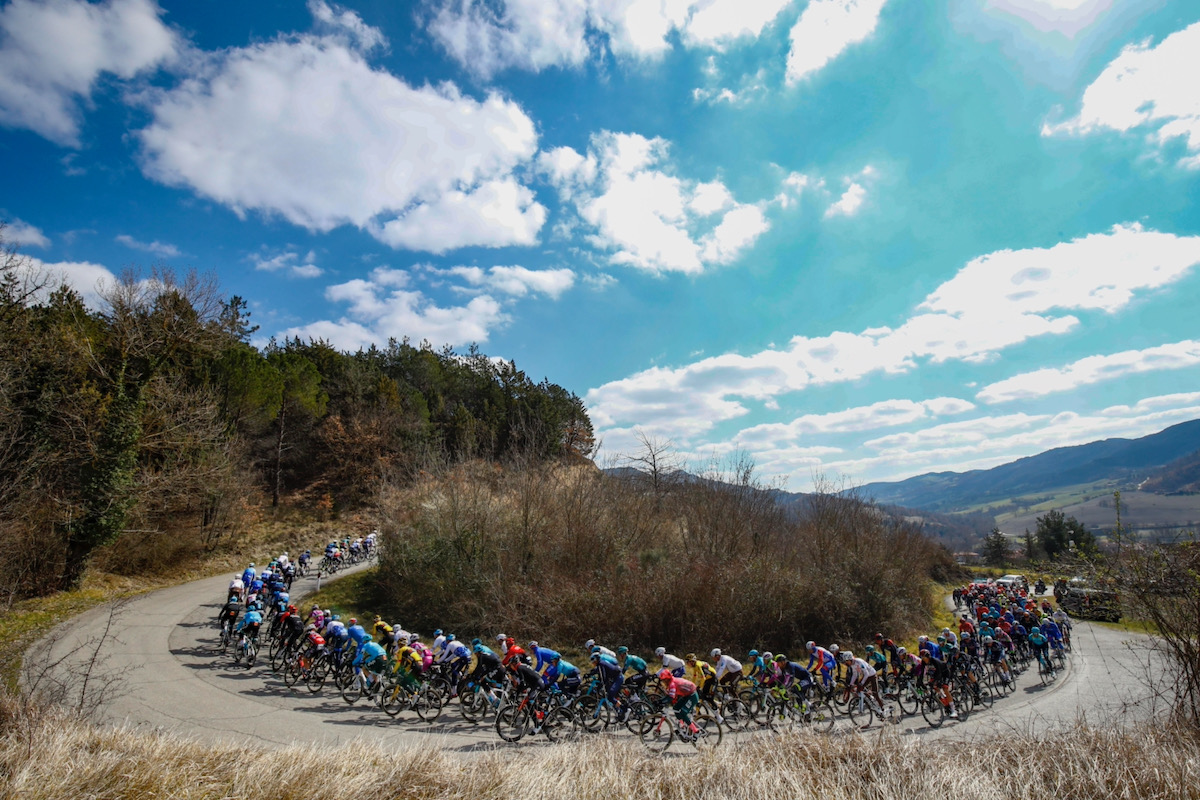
(278, 484)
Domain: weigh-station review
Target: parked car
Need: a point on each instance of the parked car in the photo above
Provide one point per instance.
(1013, 582)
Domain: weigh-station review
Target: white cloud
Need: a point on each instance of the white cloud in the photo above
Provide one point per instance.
(1091, 370)
(793, 188)
(377, 153)
(516, 281)
(1147, 87)
(600, 280)
(494, 214)
(716, 22)
(884, 414)
(849, 203)
(341, 21)
(825, 29)
(993, 302)
(22, 234)
(288, 261)
(382, 307)
(53, 53)
(85, 277)
(156, 247)
(646, 217)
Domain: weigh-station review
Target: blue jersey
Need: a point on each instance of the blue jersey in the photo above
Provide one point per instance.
(248, 575)
(369, 652)
(543, 656)
(359, 634)
(252, 618)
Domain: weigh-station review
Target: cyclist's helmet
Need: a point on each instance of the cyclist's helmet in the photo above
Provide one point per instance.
(476, 641)
(901, 651)
(833, 648)
(660, 651)
(500, 637)
(767, 656)
(477, 648)
(987, 640)
(810, 645)
(941, 640)
(780, 659)
(292, 608)
(595, 656)
(233, 598)
(412, 638)
(1036, 629)
(690, 657)
(622, 650)
(449, 638)
(889, 643)
(589, 644)
(716, 653)
(922, 639)
(665, 675)
(870, 648)
(879, 637)
(533, 645)
(438, 632)
(354, 620)
(752, 653)
(966, 636)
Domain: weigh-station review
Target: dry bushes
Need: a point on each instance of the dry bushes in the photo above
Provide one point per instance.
(568, 553)
(46, 756)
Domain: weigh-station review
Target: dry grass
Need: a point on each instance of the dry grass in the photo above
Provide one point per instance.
(43, 755)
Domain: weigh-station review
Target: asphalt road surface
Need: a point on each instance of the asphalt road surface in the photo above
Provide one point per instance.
(160, 665)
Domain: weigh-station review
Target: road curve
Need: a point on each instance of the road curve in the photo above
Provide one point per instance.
(162, 644)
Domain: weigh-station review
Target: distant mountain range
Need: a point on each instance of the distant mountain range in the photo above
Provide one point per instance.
(1167, 459)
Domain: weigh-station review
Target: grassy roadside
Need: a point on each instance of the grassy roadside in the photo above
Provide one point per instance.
(44, 757)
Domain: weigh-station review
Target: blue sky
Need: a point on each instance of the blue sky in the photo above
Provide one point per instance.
(862, 239)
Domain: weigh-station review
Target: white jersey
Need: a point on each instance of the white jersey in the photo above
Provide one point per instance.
(861, 670)
(439, 644)
(236, 585)
(726, 665)
(454, 649)
(672, 662)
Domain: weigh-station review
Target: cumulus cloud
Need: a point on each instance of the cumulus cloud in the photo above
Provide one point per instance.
(643, 215)
(289, 262)
(1091, 370)
(340, 21)
(488, 37)
(515, 281)
(993, 302)
(1067, 17)
(824, 31)
(884, 414)
(53, 53)
(384, 306)
(22, 234)
(154, 248)
(1143, 89)
(304, 128)
(88, 279)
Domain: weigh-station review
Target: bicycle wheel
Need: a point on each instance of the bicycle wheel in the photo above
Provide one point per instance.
(278, 658)
(907, 700)
(657, 732)
(1060, 659)
(560, 725)
(983, 696)
(251, 653)
(637, 711)
(513, 722)
(776, 713)
(817, 716)
(859, 711)
(428, 703)
(473, 705)
(393, 699)
(594, 715)
(239, 653)
(736, 714)
(318, 671)
(353, 690)
(292, 672)
(933, 711)
(1044, 674)
(708, 733)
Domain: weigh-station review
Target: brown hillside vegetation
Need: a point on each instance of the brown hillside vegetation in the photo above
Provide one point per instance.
(49, 756)
(569, 553)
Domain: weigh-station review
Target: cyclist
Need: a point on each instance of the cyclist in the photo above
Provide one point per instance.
(237, 586)
(820, 657)
(541, 656)
(565, 674)
(612, 679)
(673, 663)
(702, 674)
(863, 677)
(1041, 648)
(878, 661)
(439, 642)
(229, 613)
(374, 657)
(634, 669)
(248, 574)
(409, 667)
(456, 656)
(293, 628)
(907, 664)
(793, 677)
(757, 666)
(1052, 632)
(591, 645)
(729, 670)
(357, 633)
(994, 653)
(938, 673)
(683, 695)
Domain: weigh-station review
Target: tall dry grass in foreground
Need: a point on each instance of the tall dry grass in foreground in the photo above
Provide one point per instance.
(46, 756)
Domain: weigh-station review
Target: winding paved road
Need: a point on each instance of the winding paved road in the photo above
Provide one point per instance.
(173, 680)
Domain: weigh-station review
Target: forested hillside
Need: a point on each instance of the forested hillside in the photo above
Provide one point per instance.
(146, 427)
